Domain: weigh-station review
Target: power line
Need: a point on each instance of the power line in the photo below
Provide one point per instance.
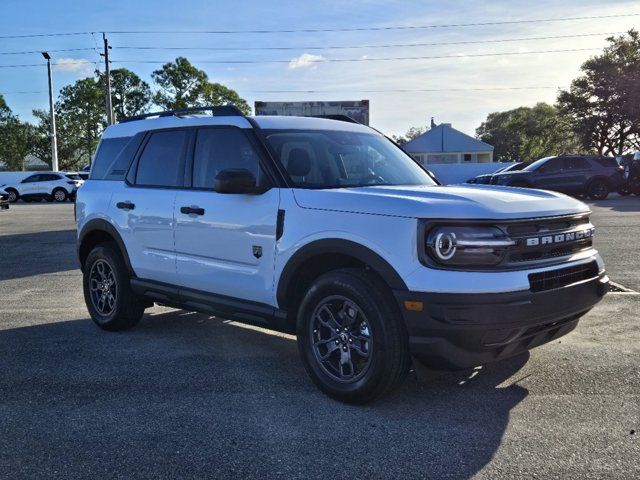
(394, 45)
(322, 59)
(50, 51)
(327, 47)
(393, 90)
(320, 30)
(372, 59)
(368, 29)
(410, 90)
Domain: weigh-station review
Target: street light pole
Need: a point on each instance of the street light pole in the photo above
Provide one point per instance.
(54, 145)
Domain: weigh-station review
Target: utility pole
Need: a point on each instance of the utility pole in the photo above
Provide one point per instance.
(54, 143)
(107, 47)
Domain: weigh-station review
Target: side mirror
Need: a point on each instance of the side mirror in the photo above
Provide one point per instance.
(235, 180)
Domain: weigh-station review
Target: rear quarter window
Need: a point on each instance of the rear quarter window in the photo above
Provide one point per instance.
(113, 158)
(607, 162)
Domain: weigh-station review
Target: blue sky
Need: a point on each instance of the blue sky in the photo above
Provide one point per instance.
(392, 111)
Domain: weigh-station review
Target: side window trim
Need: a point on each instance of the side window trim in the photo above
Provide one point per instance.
(132, 173)
(191, 155)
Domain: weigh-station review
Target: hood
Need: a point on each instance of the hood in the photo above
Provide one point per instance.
(442, 201)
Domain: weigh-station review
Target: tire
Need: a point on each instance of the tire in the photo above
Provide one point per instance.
(371, 356)
(59, 195)
(14, 196)
(598, 189)
(121, 308)
(624, 191)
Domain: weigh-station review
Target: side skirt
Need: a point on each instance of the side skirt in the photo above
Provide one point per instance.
(232, 308)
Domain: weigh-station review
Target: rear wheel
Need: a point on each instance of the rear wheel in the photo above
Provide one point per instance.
(59, 195)
(351, 336)
(598, 189)
(107, 292)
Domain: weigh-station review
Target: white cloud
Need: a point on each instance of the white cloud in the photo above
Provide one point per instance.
(71, 65)
(305, 60)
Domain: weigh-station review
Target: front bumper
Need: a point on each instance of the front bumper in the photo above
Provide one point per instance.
(455, 331)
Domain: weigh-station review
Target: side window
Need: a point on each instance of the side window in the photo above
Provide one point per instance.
(161, 162)
(552, 166)
(577, 163)
(49, 177)
(104, 159)
(218, 149)
(31, 179)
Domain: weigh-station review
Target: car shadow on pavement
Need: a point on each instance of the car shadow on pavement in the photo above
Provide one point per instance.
(618, 203)
(187, 395)
(26, 254)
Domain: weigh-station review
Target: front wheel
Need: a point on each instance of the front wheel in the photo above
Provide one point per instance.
(351, 336)
(107, 291)
(13, 195)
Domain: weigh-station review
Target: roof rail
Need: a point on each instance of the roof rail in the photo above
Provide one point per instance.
(216, 111)
(340, 117)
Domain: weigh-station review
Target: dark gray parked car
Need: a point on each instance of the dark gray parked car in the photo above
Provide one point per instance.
(591, 175)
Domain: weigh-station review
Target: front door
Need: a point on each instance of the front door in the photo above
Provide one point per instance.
(225, 243)
(549, 175)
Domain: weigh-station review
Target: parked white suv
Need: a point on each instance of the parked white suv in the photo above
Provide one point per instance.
(50, 186)
(327, 229)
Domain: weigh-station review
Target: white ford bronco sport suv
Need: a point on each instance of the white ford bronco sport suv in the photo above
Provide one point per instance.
(327, 229)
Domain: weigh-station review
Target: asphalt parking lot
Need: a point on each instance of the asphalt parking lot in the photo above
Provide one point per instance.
(187, 395)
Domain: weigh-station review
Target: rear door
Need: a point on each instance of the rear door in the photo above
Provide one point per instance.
(143, 205)
(228, 247)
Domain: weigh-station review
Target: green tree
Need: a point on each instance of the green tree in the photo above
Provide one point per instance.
(181, 85)
(603, 102)
(412, 134)
(528, 133)
(80, 119)
(130, 95)
(16, 138)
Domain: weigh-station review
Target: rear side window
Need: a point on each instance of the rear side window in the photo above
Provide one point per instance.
(161, 162)
(218, 149)
(104, 162)
(607, 162)
(577, 163)
(73, 176)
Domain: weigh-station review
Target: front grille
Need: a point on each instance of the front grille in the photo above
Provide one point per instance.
(539, 282)
(554, 229)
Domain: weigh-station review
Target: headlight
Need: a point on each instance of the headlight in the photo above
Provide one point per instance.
(462, 246)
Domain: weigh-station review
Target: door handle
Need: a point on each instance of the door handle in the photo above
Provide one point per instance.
(192, 210)
(125, 205)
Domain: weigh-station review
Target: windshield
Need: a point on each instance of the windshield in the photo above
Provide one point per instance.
(335, 159)
(534, 166)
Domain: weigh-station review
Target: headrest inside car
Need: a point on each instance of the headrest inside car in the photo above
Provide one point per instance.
(299, 163)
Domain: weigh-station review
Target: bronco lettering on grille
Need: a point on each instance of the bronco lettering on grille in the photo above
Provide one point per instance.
(559, 238)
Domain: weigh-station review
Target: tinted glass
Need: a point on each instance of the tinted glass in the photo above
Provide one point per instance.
(546, 165)
(106, 155)
(577, 163)
(49, 177)
(73, 176)
(31, 179)
(221, 148)
(161, 161)
(607, 162)
(334, 159)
